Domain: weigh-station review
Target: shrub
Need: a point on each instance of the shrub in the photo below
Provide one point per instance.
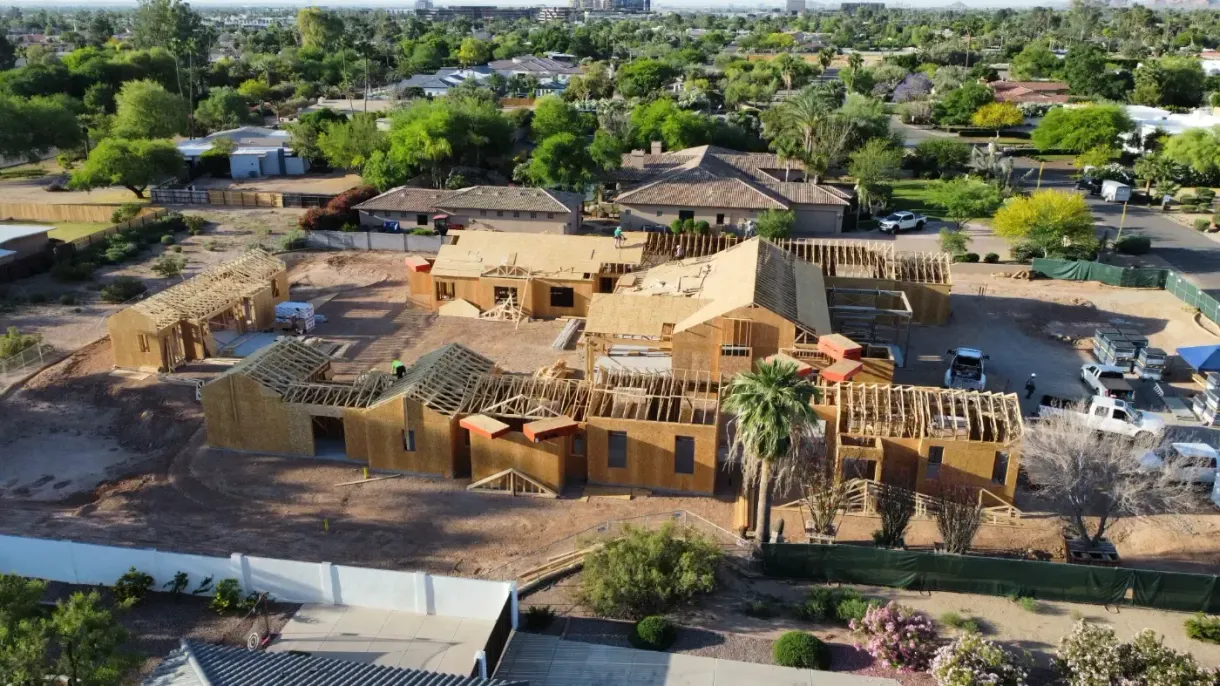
(1138, 245)
(653, 633)
(343, 203)
(67, 299)
(117, 252)
(319, 219)
(350, 227)
(643, 572)
(897, 636)
(169, 265)
(72, 270)
(132, 586)
(1088, 655)
(1024, 253)
(122, 289)
(176, 248)
(702, 227)
(177, 585)
(1205, 194)
(1029, 604)
(38, 298)
(13, 342)
(991, 258)
(1202, 627)
(824, 603)
(227, 598)
(801, 650)
(1202, 224)
(129, 210)
(194, 224)
(167, 239)
(956, 621)
(211, 244)
(760, 609)
(966, 257)
(538, 617)
(850, 609)
(971, 659)
(293, 240)
(423, 231)
(1146, 660)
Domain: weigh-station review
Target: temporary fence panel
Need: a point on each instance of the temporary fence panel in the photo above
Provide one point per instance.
(1188, 293)
(993, 576)
(371, 240)
(179, 196)
(1126, 277)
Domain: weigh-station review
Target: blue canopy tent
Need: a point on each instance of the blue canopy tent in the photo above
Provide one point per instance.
(1204, 358)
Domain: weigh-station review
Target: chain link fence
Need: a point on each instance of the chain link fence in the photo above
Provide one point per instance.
(25, 361)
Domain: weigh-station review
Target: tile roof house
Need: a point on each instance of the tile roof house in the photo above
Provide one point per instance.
(1040, 92)
(439, 83)
(541, 68)
(202, 664)
(726, 188)
(510, 209)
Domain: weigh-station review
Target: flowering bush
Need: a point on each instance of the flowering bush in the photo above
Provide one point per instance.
(972, 660)
(897, 636)
(1088, 656)
(1146, 660)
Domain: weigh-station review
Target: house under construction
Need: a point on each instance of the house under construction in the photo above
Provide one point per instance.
(753, 301)
(182, 323)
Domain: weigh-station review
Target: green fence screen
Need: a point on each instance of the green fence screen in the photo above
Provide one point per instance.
(993, 576)
(1131, 278)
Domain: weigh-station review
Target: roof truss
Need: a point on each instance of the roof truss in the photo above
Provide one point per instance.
(682, 397)
(921, 412)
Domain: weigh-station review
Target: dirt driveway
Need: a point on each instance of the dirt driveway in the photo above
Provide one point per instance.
(331, 183)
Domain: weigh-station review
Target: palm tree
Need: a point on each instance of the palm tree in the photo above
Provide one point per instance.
(773, 430)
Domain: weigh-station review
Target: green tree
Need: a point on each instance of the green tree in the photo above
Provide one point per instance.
(8, 54)
(874, 166)
(256, 91)
(1035, 61)
(1085, 69)
(954, 241)
(132, 164)
(35, 125)
(1157, 169)
(607, 150)
(646, 572)
(776, 223)
(960, 104)
(1198, 149)
(381, 172)
(562, 161)
(593, 84)
(144, 109)
(944, 156)
(89, 638)
(554, 116)
(306, 130)
(348, 145)
(1171, 82)
(1081, 128)
(997, 115)
(1047, 218)
(662, 120)
(473, 52)
(172, 25)
(319, 28)
(964, 198)
(224, 109)
(644, 78)
(774, 432)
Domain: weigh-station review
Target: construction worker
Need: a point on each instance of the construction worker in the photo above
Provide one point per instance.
(618, 236)
(1030, 386)
(399, 369)
(679, 252)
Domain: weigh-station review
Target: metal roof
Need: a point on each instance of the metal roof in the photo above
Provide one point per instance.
(9, 232)
(202, 664)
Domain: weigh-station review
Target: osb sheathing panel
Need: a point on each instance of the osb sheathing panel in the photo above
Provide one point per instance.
(240, 414)
(968, 464)
(125, 328)
(540, 306)
(699, 346)
(650, 455)
(421, 288)
(544, 461)
(875, 370)
(929, 302)
(901, 464)
(382, 443)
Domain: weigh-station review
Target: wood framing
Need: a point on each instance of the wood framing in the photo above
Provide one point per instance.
(176, 325)
(512, 482)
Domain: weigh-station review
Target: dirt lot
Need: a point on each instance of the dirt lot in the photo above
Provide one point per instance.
(331, 183)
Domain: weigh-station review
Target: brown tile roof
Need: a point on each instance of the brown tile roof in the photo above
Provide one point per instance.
(1049, 92)
(708, 176)
(1041, 86)
(473, 198)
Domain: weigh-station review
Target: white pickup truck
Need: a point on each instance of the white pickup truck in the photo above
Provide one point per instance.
(1107, 380)
(1192, 462)
(1110, 415)
(902, 221)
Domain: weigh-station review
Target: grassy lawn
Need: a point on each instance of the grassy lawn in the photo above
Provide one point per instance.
(912, 195)
(67, 231)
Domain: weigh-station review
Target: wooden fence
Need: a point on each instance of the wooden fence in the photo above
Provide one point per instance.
(41, 212)
(145, 218)
(181, 196)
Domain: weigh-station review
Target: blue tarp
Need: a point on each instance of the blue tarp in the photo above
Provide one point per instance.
(1204, 358)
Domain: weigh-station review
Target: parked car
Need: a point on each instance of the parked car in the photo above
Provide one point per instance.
(902, 221)
(1193, 462)
(1115, 191)
(966, 370)
(1107, 380)
(1110, 415)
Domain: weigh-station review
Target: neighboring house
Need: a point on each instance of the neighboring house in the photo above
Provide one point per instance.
(1150, 120)
(541, 68)
(18, 241)
(725, 312)
(510, 209)
(438, 84)
(1037, 92)
(725, 188)
(281, 400)
(190, 320)
(203, 664)
(260, 152)
(541, 275)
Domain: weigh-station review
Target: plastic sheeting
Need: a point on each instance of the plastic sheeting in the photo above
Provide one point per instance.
(1129, 277)
(993, 576)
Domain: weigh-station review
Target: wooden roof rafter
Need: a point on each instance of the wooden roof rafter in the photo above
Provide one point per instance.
(922, 412)
(680, 396)
(282, 364)
(523, 396)
(211, 291)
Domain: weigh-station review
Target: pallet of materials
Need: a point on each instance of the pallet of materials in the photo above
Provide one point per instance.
(1118, 347)
(1150, 363)
(299, 313)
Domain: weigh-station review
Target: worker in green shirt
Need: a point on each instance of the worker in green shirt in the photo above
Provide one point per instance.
(618, 236)
(398, 368)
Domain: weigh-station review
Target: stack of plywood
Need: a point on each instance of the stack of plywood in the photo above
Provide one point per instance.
(845, 352)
